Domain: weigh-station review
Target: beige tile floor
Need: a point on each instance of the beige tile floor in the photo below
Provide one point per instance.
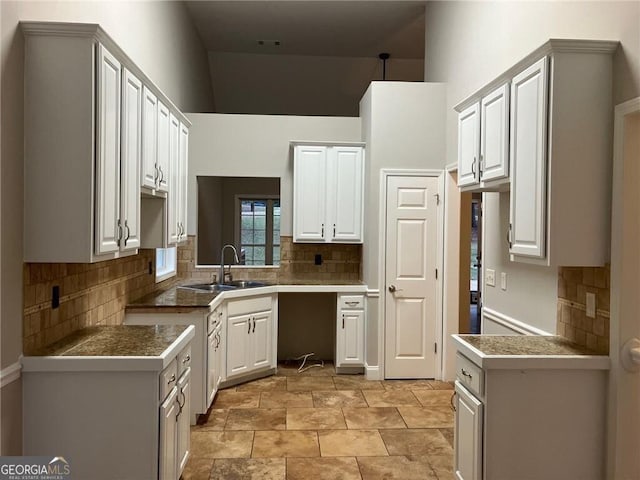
(322, 426)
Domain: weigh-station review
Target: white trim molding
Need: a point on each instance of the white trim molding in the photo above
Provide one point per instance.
(372, 372)
(511, 323)
(11, 373)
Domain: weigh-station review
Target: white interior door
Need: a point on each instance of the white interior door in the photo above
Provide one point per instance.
(411, 284)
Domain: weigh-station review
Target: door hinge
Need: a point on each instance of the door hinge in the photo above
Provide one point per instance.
(435, 348)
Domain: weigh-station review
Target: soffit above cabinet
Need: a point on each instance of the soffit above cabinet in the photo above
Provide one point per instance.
(95, 31)
(552, 46)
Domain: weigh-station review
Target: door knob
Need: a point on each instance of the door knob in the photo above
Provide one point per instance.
(392, 288)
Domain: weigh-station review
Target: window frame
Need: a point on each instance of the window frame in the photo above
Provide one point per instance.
(167, 266)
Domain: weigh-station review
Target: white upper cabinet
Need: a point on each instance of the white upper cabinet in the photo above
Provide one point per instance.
(183, 165)
(528, 161)
(163, 147)
(178, 159)
(328, 189)
(557, 105)
(468, 146)
(132, 97)
(494, 135)
(89, 143)
(108, 222)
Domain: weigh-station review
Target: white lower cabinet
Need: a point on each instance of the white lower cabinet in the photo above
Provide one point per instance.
(168, 435)
(250, 342)
(183, 434)
(215, 353)
(350, 331)
(530, 420)
(468, 435)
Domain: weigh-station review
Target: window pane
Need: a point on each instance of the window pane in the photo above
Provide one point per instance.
(246, 236)
(276, 255)
(258, 255)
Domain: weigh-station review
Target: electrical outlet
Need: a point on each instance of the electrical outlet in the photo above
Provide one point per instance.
(318, 259)
(591, 305)
(490, 278)
(55, 296)
(503, 280)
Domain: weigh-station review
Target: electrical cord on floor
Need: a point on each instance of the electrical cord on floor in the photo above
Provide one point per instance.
(304, 359)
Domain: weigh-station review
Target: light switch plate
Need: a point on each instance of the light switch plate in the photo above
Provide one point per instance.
(503, 280)
(591, 305)
(490, 278)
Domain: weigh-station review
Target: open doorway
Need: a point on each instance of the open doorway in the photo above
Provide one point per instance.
(475, 263)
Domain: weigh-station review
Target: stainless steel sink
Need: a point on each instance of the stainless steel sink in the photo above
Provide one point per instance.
(208, 287)
(245, 284)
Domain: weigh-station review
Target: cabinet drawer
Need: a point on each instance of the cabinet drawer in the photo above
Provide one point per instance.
(168, 379)
(351, 301)
(184, 360)
(469, 375)
(248, 305)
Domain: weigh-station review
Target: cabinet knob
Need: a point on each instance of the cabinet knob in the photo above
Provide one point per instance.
(172, 379)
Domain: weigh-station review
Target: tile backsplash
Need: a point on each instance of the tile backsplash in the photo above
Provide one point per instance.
(572, 321)
(96, 294)
(340, 263)
(90, 294)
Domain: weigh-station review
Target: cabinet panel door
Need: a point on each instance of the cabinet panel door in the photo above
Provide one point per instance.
(149, 139)
(309, 189)
(261, 340)
(468, 145)
(131, 159)
(494, 134)
(350, 337)
(468, 436)
(345, 199)
(219, 356)
(164, 121)
(183, 162)
(528, 161)
(173, 199)
(184, 440)
(108, 153)
(212, 367)
(238, 344)
(168, 431)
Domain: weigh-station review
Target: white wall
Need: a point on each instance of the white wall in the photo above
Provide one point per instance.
(256, 145)
(403, 128)
(470, 43)
(300, 85)
(160, 38)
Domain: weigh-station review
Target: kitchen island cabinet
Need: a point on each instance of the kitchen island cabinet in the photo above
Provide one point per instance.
(528, 407)
(108, 399)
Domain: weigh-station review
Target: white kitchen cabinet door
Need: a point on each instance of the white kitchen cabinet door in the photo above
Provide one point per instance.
(219, 356)
(108, 224)
(164, 121)
(350, 338)
(173, 199)
(130, 161)
(469, 146)
(494, 134)
(527, 229)
(183, 434)
(309, 189)
(149, 168)
(212, 367)
(183, 162)
(260, 339)
(467, 436)
(345, 193)
(238, 344)
(168, 436)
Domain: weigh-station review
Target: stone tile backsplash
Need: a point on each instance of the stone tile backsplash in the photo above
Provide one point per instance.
(90, 294)
(572, 320)
(340, 263)
(96, 294)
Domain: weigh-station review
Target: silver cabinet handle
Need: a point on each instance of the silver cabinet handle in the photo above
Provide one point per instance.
(334, 230)
(249, 324)
(172, 379)
(480, 164)
(186, 359)
(453, 397)
(343, 321)
(156, 175)
(466, 374)
(254, 324)
(161, 175)
(126, 226)
(473, 167)
(509, 236)
(119, 232)
(322, 234)
(352, 304)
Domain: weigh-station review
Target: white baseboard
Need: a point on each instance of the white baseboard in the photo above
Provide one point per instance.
(372, 372)
(510, 323)
(11, 373)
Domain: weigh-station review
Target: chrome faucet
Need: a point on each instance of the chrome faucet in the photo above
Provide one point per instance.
(235, 257)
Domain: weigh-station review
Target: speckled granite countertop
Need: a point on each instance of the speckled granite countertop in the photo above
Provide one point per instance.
(182, 299)
(527, 351)
(113, 348)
